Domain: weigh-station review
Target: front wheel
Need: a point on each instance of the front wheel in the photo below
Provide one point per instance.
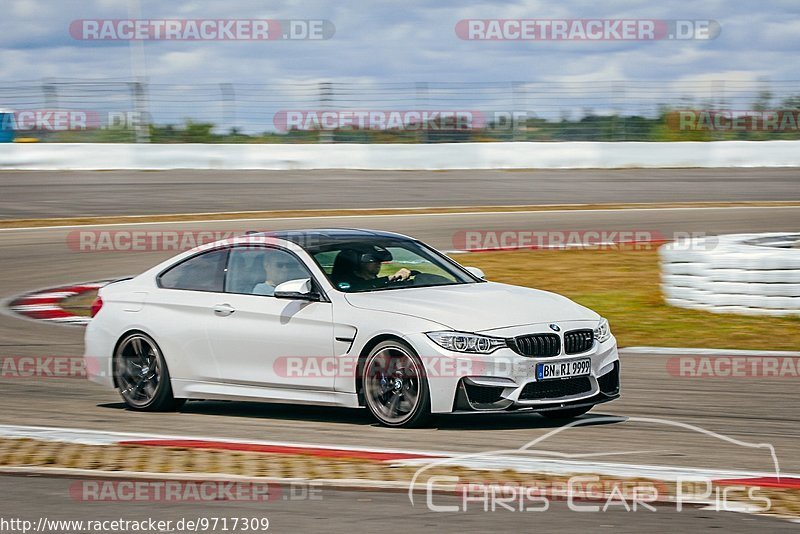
(395, 388)
(142, 375)
(566, 413)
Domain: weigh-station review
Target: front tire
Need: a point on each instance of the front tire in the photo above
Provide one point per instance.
(142, 376)
(394, 385)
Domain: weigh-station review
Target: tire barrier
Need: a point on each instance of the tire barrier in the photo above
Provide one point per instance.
(751, 274)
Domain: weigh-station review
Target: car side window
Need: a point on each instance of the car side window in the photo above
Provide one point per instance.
(205, 272)
(258, 271)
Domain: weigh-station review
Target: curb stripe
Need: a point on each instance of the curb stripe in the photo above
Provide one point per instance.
(278, 449)
(45, 304)
(766, 482)
(412, 458)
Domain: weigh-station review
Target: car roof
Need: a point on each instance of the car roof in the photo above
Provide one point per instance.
(321, 238)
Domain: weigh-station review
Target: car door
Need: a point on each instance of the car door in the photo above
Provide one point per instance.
(260, 340)
(179, 311)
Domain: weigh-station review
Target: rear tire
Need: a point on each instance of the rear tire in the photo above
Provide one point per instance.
(395, 386)
(142, 376)
(566, 413)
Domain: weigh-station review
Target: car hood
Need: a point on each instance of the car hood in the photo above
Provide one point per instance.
(475, 307)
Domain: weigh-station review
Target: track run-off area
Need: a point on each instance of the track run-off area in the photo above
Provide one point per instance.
(753, 410)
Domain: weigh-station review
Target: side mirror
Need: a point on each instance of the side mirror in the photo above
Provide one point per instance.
(296, 289)
(474, 271)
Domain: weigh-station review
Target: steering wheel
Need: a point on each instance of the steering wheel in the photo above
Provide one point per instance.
(408, 280)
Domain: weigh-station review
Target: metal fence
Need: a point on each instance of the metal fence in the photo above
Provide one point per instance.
(121, 110)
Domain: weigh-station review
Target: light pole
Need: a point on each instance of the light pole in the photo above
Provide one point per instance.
(139, 74)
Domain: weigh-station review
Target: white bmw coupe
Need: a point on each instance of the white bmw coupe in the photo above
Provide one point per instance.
(353, 318)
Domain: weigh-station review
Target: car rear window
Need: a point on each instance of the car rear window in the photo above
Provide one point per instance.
(205, 272)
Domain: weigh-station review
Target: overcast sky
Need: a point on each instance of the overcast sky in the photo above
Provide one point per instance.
(409, 41)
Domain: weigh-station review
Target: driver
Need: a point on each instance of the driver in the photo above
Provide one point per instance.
(366, 265)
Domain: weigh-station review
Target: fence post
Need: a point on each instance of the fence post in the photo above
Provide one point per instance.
(50, 94)
(142, 126)
(519, 102)
(326, 102)
(421, 97)
(228, 105)
(618, 132)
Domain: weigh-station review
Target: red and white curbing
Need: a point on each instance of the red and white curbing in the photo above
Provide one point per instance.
(495, 460)
(100, 437)
(45, 304)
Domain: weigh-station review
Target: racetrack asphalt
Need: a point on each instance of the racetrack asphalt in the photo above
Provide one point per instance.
(752, 410)
(35, 194)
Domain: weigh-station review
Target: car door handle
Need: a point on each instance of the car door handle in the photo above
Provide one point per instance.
(223, 310)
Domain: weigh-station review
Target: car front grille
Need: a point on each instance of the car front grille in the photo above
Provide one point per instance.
(553, 389)
(538, 345)
(577, 341)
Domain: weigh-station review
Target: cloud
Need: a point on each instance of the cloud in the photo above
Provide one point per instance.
(383, 43)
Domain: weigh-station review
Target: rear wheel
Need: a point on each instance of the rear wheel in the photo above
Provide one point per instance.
(566, 413)
(395, 388)
(142, 375)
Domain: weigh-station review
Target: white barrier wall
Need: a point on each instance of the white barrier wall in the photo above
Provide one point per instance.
(578, 155)
(753, 274)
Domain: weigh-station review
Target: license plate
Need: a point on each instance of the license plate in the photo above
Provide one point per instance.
(546, 371)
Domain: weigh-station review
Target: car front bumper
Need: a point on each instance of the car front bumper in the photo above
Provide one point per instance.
(506, 381)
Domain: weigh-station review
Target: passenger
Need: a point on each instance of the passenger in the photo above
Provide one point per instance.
(267, 287)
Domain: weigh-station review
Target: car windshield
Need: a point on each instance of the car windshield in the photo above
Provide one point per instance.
(379, 263)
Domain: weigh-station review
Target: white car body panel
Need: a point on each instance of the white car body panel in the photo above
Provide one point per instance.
(476, 307)
(238, 356)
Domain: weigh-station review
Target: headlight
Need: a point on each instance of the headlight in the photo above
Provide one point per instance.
(602, 332)
(466, 342)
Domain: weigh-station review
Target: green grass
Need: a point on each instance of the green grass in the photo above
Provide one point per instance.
(623, 286)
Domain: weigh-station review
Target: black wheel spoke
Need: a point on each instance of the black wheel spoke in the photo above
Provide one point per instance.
(138, 371)
(391, 384)
(394, 403)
